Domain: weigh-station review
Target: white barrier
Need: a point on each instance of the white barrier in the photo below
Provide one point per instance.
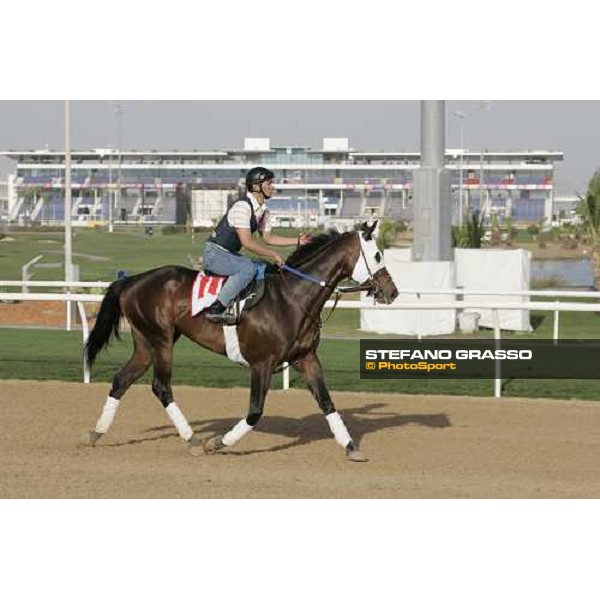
(556, 307)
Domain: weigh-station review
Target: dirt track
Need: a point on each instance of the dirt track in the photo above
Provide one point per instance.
(419, 447)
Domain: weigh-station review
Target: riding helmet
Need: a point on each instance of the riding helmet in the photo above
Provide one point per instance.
(258, 175)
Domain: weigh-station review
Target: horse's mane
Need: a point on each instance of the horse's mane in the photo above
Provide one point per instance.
(307, 251)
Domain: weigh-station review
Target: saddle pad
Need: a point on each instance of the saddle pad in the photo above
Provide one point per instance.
(205, 290)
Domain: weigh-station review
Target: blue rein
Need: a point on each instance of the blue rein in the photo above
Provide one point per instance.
(302, 275)
(338, 289)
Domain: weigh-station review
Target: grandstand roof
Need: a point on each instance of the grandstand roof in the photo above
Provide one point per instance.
(453, 153)
(133, 154)
(45, 156)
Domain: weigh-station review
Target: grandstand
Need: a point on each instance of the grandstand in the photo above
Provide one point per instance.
(3, 199)
(314, 185)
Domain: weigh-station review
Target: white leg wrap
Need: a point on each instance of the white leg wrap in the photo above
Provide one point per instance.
(180, 422)
(235, 434)
(108, 414)
(342, 437)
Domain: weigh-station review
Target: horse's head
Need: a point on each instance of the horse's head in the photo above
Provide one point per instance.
(370, 270)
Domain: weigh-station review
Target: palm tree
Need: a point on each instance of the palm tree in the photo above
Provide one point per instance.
(589, 209)
(470, 234)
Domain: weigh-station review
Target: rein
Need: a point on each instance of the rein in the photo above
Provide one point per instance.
(307, 277)
(338, 289)
(371, 286)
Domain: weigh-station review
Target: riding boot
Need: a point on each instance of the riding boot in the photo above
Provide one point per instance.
(216, 312)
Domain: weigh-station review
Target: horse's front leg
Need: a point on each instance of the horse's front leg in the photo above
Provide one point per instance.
(259, 386)
(312, 372)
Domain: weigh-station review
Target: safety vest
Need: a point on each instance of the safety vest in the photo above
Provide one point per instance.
(226, 236)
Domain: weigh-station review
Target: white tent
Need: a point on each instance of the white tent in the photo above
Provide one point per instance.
(495, 270)
(407, 274)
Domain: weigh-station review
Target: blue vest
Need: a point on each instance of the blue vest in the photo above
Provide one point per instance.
(226, 236)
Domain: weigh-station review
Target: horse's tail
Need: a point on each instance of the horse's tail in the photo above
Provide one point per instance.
(107, 321)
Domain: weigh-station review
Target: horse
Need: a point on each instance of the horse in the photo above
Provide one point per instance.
(284, 326)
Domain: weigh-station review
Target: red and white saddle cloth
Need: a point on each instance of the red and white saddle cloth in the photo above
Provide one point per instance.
(205, 290)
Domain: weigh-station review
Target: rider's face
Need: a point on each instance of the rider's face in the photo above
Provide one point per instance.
(266, 189)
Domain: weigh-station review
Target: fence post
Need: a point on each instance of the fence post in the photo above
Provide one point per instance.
(286, 376)
(497, 366)
(85, 328)
(556, 317)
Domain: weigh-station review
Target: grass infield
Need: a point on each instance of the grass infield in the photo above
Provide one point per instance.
(56, 355)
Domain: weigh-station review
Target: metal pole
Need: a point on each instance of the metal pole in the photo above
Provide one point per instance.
(483, 105)
(67, 216)
(110, 199)
(119, 115)
(432, 133)
(432, 195)
(482, 210)
(462, 152)
(497, 366)
(461, 115)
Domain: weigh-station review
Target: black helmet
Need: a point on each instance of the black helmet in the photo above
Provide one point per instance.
(258, 175)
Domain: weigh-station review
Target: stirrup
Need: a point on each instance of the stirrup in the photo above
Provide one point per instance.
(215, 314)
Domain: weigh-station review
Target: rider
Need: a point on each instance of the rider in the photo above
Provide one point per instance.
(234, 231)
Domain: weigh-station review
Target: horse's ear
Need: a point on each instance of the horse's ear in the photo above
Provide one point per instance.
(368, 229)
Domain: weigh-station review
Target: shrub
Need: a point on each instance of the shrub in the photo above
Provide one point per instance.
(546, 282)
(172, 229)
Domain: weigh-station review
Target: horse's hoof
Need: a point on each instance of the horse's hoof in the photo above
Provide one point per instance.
(214, 444)
(356, 456)
(90, 438)
(195, 448)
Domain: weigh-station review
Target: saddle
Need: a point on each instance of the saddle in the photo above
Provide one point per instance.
(208, 284)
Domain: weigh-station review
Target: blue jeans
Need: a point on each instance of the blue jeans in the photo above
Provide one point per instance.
(239, 269)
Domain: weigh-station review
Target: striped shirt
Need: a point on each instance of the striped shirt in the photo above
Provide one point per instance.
(239, 215)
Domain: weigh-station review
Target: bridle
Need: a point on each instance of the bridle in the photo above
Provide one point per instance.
(370, 286)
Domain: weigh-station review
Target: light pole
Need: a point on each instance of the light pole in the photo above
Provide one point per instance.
(484, 208)
(119, 117)
(110, 199)
(461, 115)
(67, 217)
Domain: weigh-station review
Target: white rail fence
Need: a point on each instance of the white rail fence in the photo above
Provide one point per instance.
(555, 307)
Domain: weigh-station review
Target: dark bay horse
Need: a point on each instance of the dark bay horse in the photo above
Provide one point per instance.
(283, 327)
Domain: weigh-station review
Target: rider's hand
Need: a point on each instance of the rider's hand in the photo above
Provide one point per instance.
(304, 238)
(277, 258)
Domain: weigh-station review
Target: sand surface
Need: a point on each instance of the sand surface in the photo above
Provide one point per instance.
(418, 446)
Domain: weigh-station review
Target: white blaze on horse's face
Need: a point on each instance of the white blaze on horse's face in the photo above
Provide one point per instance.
(370, 260)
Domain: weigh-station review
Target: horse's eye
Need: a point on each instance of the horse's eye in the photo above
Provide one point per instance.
(378, 257)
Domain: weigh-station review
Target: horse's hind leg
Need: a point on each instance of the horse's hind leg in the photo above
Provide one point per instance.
(312, 372)
(122, 381)
(161, 386)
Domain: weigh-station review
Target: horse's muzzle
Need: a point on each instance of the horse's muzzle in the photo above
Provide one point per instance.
(383, 297)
